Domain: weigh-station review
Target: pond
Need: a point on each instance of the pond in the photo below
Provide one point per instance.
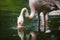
(8, 26)
(9, 11)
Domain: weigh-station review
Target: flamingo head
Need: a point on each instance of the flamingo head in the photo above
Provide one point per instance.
(20, 22)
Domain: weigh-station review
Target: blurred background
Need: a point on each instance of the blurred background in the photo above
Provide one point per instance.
(9, 11)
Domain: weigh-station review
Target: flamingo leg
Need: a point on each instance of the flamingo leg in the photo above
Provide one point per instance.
(38, 22)
(44, 23)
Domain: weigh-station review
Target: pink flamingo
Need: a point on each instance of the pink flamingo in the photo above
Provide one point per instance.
(20, 23)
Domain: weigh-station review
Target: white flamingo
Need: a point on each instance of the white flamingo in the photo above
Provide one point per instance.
(20, 21)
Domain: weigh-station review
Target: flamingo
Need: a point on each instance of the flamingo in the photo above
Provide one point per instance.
(35, 5)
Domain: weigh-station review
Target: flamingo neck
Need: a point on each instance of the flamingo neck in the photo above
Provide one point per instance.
(25, 11)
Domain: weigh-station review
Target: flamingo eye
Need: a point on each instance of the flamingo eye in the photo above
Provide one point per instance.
(19, 23)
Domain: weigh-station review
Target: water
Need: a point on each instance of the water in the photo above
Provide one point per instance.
(9, 11)
(8, 26)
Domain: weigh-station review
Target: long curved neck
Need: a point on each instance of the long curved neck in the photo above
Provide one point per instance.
(22, 11)
(25, 11)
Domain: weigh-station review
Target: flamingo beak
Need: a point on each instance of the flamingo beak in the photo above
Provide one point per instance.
(19, 26)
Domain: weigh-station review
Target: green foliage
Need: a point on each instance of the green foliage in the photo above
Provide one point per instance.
(11, 5)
